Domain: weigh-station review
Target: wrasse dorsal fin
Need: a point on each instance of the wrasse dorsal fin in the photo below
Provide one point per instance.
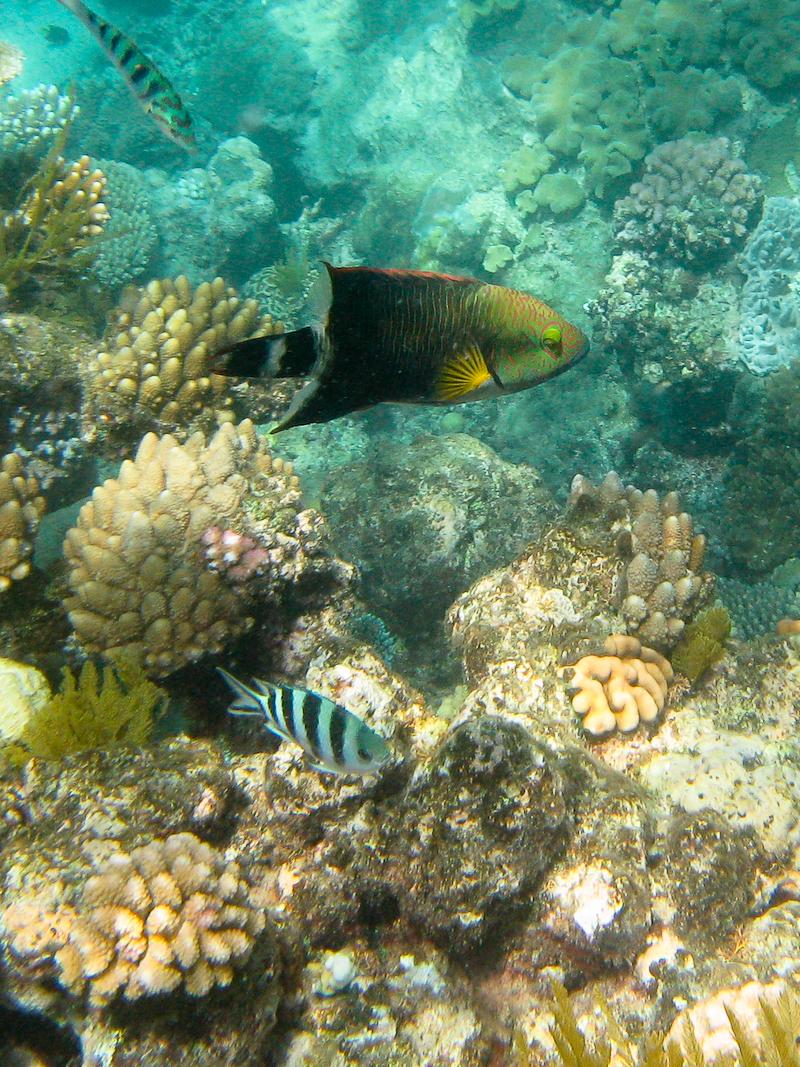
(461, 374)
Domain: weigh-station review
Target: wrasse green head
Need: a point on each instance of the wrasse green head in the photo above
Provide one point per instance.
(534, 342)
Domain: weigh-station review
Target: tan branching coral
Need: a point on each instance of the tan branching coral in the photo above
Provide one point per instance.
(55, 222)
(172, 913)
(11, 61)
(663, 583)
(142, 581)
(154, 370)
(21, 508)
(620, 689)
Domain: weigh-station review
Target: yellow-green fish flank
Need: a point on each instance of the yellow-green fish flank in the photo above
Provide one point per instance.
(411, 336)
(153, 91)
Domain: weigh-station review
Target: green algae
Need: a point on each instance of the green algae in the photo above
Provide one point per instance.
(107, 708)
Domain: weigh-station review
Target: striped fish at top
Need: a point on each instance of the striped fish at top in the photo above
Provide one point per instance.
(336, 740)
(153, 91)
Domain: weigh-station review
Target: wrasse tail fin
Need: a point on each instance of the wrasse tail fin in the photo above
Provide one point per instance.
(282, 355)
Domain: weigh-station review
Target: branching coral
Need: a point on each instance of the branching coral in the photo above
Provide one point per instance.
(663, 583)
(742, 1027)
(104, 709)
(694, 199)
(145, 578)
(154, 370)
(11, 62)
(21, 508)
(53, 225)
(626, 686)
(170, 914)
(31, 121)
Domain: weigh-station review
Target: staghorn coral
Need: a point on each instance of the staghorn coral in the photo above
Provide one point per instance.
(109, 708)
(153, 372)
(21, 508)
(170, 914)
(145, 579)
(626, 686)
(663, 583)
(53, 225)
(31, 121)
(12, 60)
(693, 201)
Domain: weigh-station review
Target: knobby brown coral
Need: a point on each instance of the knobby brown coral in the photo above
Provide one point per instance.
(663, 583)
(21, 508)
(171, 913)
(146, 577)
(153, 372)
(626, 686)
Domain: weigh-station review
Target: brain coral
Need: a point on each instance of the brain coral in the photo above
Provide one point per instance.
(145, 580)
(153, 371)
(694, 200)
(21, 508)
(171, 913)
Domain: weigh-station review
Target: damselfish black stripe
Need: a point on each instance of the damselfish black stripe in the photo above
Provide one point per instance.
(272, 704)
(285, 710)
(337, 729)
(311, 715)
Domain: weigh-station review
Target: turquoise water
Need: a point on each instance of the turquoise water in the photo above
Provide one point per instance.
(568, 607)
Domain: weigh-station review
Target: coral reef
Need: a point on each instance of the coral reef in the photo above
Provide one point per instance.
(769, 334)
(663, 582)
(107, 708)
(170, 913)
(130, 238)
(451, 492)
(154, 370)
(145, 583)
(21, 509)
(693, 201)
(31, 121)
(53, 225)
(761, 508)
(702, 644)
(618, 690)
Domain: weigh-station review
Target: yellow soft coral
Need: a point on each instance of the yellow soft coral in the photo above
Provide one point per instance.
(620, 689)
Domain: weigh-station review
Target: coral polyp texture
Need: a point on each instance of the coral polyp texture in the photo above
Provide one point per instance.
(153, 372)
(172, 913)
(145, 577)
(21, 508)
(693, 201)
(618, 690)
(663, 583)
(12, 60)
(31, 120)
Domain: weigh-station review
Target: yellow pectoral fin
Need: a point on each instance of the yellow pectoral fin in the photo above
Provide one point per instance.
(461, 375)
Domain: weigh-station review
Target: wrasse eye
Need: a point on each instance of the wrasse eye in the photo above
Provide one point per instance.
(551, 340)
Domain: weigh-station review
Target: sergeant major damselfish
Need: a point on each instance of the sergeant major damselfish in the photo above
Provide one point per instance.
(409, 336)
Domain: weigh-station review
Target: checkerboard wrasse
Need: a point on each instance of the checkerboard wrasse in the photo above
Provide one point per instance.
(409, 336)
(335, 739)
(153, 91)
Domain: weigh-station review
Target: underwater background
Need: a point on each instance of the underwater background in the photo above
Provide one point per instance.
(564, 623)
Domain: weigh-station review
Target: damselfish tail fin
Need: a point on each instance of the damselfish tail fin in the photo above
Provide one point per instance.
(280, 355)
(246, 700)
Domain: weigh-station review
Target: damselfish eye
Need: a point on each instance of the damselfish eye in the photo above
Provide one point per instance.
(364, 755)
(551, 339)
